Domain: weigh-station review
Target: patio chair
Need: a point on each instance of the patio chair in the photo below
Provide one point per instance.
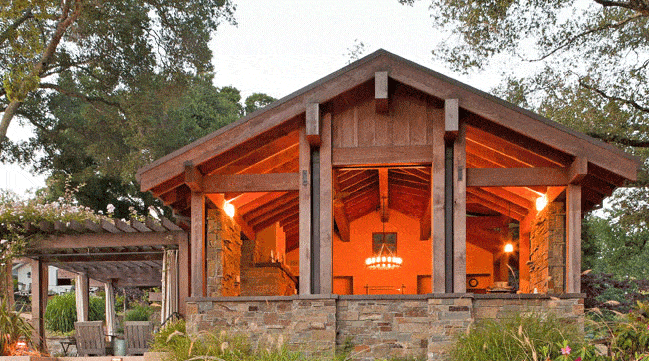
(138, 335)
(90, 338)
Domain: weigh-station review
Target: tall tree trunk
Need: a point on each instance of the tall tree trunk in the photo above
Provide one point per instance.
(6, 119)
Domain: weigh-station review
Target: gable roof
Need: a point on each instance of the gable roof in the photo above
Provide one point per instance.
(280, 117)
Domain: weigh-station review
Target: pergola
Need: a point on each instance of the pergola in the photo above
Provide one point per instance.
(150, 253)
(387, 134)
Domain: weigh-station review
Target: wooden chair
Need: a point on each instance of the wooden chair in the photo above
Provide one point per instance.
(138, 335)
(90, 338)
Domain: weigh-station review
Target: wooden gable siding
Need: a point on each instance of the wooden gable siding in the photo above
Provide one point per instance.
(356, 124)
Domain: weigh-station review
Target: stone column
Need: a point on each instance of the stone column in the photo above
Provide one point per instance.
(223, 255)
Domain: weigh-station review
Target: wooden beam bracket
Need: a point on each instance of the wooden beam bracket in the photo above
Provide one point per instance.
(381, 91)
(313, 124)
(193, 177)
(578, 170)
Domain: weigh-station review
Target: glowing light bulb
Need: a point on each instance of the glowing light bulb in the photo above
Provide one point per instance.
(368, 261)
(541, 202)
(509, 248)
(229, 209)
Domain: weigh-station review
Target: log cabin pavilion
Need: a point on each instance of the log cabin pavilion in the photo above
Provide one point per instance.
(295, 209)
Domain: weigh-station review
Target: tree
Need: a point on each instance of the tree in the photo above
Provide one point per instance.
(110, 43)
(582, 62)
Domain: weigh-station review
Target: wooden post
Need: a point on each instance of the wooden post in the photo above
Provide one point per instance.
(438, 246)
(326, 207)
(183, 275)
(81, 289)
(459, 211)
(110, 309)
(7, 284)
(524, 251)
(198, 275)
(305, 214)
(39, 302)
(573, 238)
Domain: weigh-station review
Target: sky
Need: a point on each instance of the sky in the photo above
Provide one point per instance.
(283, 46)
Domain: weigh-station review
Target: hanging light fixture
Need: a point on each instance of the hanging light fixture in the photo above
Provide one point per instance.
(385, 259)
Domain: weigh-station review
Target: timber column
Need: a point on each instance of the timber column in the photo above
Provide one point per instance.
(194, 180)
(305, 202)
(39, 302)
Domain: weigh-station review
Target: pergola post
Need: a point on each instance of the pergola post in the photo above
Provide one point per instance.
(81, 289)
(305, 214)
(573, 238)
(326, 207)
(39, 302)
(183, 274)
(7, 284)
(110, 308)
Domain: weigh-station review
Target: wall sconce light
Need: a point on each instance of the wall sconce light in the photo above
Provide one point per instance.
(229, 209)
(541, 202)
(509, 248)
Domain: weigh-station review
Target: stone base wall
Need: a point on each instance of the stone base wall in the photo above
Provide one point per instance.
(377, 326)
(267, 280)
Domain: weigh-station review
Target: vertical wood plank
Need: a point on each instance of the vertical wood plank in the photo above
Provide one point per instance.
(326, 211)
(39, 302)
(418, 123)
(525, 229)
(184, 280)
(199, 283)
(573, 238)
(367, 119)
(459, 211)
(81, 290)
(438, 278)
(305, 215)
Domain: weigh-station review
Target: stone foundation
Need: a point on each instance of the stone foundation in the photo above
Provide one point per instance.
(377, 326)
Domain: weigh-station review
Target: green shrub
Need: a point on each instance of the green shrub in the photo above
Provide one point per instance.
(521, 338)
(61, 312)
(139, 313)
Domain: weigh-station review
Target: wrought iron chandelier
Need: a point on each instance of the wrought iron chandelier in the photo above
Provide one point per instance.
(385, 259)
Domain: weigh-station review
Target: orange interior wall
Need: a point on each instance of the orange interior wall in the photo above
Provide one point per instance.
(479, 260)
(349, 257)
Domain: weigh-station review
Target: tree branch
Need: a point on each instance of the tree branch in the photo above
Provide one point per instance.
(588, 32)
(27, 14)
(638, 5)
(629, 102)
(612, 138)
(83, 97)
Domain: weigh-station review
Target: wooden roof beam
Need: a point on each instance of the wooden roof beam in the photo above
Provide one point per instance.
(381, 92)
(516, 177)
(271, 182)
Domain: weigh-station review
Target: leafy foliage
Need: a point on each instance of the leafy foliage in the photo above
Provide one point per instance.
(61, 312)
(12, 328)
(139, 313)
(520, 338)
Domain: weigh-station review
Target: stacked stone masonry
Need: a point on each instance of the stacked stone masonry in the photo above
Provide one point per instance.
(376, 326)
(548, 250)
(223, 254)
